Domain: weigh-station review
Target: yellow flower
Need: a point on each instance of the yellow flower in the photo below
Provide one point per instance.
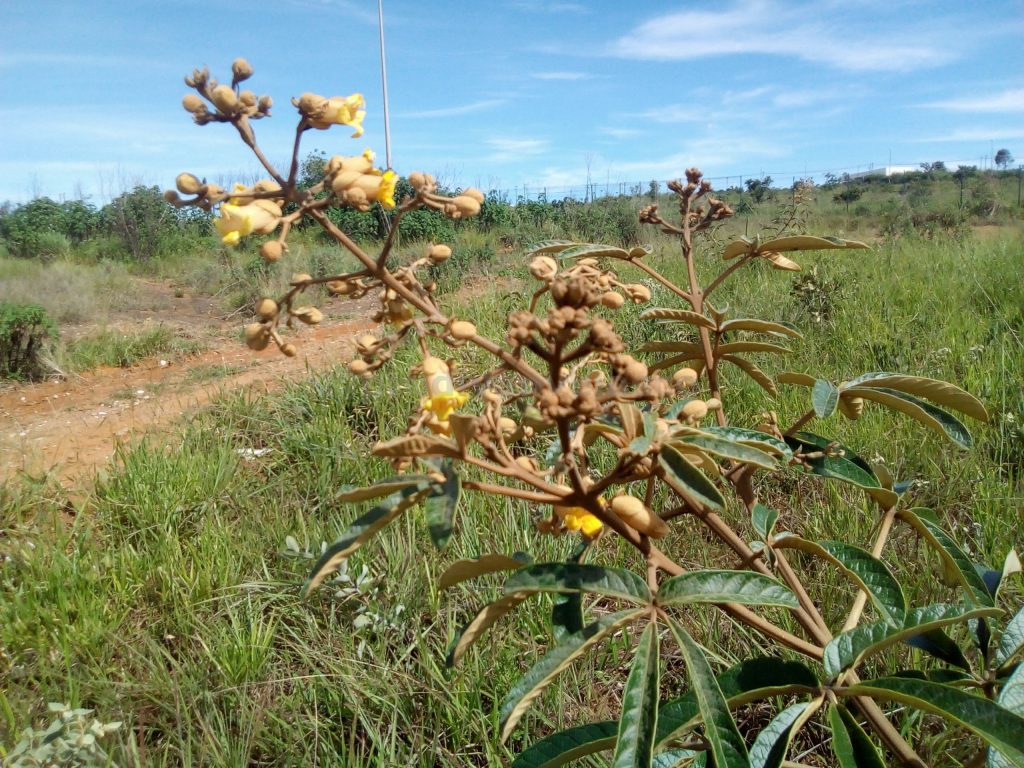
(578, 519)
(442, 399)
(347, 110)
(237, 221)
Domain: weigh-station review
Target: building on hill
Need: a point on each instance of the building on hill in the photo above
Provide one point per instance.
(885, 171)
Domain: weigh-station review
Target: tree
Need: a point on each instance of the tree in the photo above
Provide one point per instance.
(848, 195)
(759, 189)
(1003, 158)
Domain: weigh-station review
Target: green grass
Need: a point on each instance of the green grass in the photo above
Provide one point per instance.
(121, 350)
(171, 601)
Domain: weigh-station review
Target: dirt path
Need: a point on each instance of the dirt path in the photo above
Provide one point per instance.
(71, 428)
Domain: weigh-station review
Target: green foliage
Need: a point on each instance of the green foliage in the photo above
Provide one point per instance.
(45, 229)
(24, 330)
(72, 740)
(140, 219)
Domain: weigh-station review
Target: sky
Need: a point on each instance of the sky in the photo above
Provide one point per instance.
(513, 94)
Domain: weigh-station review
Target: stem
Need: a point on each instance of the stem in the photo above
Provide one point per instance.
(245, 131)
(861, 600)
(800, 422)
(726, 272)
(662, 279)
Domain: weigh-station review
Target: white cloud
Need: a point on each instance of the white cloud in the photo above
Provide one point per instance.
(1011, 100)
(543, 6)
(977, 134)
(773, 28)
(462, 109)
(619, 133)
(508, 148)
(560, 76)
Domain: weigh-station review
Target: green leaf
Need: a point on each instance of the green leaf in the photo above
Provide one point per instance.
(755, 439)
(860, 566)
(639, 718)
(720, 729)
(578, 577)
(349, 494)
(678, 316)
(550, 246)
(713, 586)
(567, 607)
(728, 449)
(957, 563)
(688, 481)
(851, 745)
(940, 392)
(848, 468)
(1012, 640)
(808, 243)
(532, 684)
(919, 410)
(760, 326)
(770, 747)
(996, 725)
(672, 757)
(800, 379)
(441, 503)
(1011, 698)
(825, 398)
(848, 649)
(762, 378)
(462, 570)
(763, 519)
(568, 745)
(748, 681)
(485, 618)
(594, 251)
(360, 531)
(940, 645)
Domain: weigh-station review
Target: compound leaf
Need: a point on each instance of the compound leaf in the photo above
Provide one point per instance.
(639, 718)
(579, 577)
(725, 586)
(932, 417)
(571, 744)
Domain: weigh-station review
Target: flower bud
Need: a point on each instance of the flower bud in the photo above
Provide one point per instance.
(473, 193)
(340, 287)
(439, 253)
(612, 300)
(271, 251)
(851, 407)
(638, 293)
(248, 98)
(256, 337)
(193, 103)
(267, 309)
(713, 403)
(684, 377)
(301, 277)
(417, 180)
(310, 104)
(694, 410)
(462, 330)
(188, 184)
(466, 206)
(308, 315)
(507, 426)
(368, 344)
(241, 70)
(289, 350)
(637, 516)
(544, 268)
(224, 97)
(359, 367)
(265, 103)
(171, 196)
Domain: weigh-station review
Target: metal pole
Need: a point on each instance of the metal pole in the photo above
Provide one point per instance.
(384, 83)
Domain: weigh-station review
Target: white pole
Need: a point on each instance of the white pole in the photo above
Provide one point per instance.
(384, 83)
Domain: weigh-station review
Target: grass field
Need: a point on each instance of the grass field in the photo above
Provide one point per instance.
(167, 595)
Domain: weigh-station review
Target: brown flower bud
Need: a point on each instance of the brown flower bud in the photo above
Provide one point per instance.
(466, 206)
(271, 251)
(340, 287)
(308, 315)
(695, 410)
(684, 377)
(265, 103)
(301, 277)
(368, 344)
(248, 98)
(267, 309)
(241, 70)
(507, 426)
(359, 367)
(289, 350)
(544, 268)
(462, 330)
(637, 516)
(439, 253)
(473, 193)
(311, 105)
(256, 336)
(612, 300)
(225, 99)
(713, 403)
(171, 196)
(851, 407)
(635, 372)
(637, 292)
(188, 184)
(193, 103)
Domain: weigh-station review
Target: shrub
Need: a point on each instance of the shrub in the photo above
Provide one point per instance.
(141, 220)
(24, 329)
(559, 416)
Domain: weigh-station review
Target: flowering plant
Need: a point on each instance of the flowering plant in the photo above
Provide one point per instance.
(637, 446)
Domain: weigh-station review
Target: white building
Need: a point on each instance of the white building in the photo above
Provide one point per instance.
(886, 171)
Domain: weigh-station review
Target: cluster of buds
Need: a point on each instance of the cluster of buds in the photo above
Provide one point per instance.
(355, 182)
(258, 335)
(699, 217)
(461, 206)
(229, 103)
(321, 112)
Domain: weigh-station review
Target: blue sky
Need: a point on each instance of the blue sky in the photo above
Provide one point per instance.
(507, 93)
